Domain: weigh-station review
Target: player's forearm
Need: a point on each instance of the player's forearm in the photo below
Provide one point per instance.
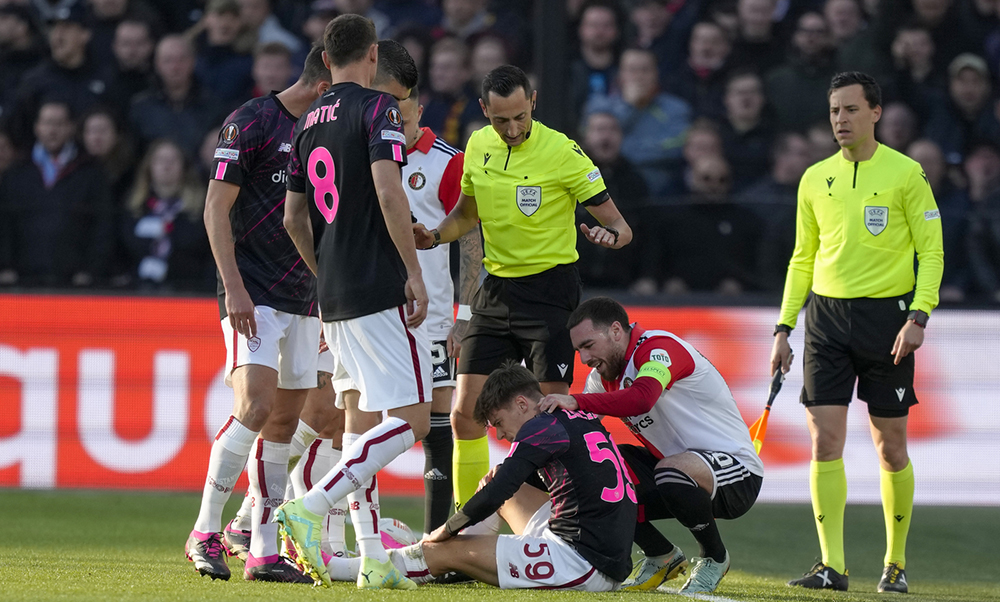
(797, 285)
(396, 212)
(220, 238)
(508, 479)
(608, 215)
(470, 265)
(633, 401)
(299, 228)
(462, 219)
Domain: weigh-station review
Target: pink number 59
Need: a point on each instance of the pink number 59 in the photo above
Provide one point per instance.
(324, 185)
(600, 454)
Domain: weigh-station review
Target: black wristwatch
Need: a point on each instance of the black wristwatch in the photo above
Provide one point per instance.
(613, 231)
(437, 238)
(919, 318)
(782, 328)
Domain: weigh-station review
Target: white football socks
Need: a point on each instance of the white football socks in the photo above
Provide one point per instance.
(333, 540)
(410, 562)
(268, 472)
(243, 518)
(229, 456)
(364, 507)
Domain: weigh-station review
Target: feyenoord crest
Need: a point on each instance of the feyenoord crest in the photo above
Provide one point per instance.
(876, 219)
(416, 180)
(230, 132)
(529, 199)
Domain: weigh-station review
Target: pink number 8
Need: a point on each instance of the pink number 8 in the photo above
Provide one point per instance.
(324, 185)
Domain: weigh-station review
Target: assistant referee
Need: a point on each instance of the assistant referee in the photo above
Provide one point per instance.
(862, 214)
(522, 180)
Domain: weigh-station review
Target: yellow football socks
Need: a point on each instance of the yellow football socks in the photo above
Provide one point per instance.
(470, 463)
(828, 485)
(897, 505)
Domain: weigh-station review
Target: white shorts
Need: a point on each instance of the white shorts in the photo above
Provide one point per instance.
(540, 559)
(389, 363)
(339, 378)
(285, 342)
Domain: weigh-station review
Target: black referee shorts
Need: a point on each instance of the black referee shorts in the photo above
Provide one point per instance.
(523, 319)
(732, 500)
(848, 340)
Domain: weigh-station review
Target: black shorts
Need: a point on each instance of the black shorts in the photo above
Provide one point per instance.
(848, 340)
(523, 319)
(736, 488)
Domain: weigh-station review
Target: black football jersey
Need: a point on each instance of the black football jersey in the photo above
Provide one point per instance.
(593, 499)
(336, 141)
(252, 153)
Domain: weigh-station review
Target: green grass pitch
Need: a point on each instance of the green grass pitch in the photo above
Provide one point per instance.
(129, 546)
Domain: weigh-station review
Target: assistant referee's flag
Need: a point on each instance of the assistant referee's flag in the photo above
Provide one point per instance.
(759, 429)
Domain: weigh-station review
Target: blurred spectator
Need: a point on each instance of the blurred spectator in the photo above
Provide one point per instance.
(272, 68)
(797, 89)
(177, 107)
(746, 133)
(206, 153)
(365, 8)
(708, 245)
(451, 102)
(822, 144)
(953, 203)
(488, 53)
(602, 139)
(59, 225)
(263, 26)
(968, 115)
(845, 20)
(653, 122)
(952, 34)
(664, 26)
(221, 67)
(701, 80)
(8, 153)
(315, 25)
(21, 49)
(103, 19)
(773, 199)
(982, 167)
(593, 72)
(66, 75)
(918, 80)
(724, 13)
(897, 127)
(757, 44)
(417, 41)
(163, 228)
(104, 140)
(133, 60)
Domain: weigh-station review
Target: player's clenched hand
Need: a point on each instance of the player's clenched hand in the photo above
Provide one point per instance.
(239, 308)
(439, 534)
(416, 301)
(598, 235)
(781, 353)
(455, 336)
(422, 237)
(551, 403)
(909, 339)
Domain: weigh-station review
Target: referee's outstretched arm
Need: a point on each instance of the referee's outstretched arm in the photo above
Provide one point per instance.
(614, 232)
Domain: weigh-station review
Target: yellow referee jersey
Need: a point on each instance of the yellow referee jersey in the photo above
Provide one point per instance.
(526, 196)
(857, 227)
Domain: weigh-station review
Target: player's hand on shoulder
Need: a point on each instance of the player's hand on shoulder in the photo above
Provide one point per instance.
(422, 237)
(455, 336)
(239, 308)
(599, 236)
(551, 403)
(416, 301)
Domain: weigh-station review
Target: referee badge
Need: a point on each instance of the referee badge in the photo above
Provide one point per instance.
(529, 199)
(876, 219)
(416, 180)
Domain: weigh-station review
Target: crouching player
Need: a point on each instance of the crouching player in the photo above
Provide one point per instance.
(577, 536)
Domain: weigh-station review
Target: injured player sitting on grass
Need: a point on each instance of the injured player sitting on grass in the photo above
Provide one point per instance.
(577, 536)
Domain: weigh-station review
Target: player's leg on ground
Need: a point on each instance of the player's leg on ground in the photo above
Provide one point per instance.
(438, 446)
(897, 484)
(471, 459)
(473, 555)
(268, 476)
(828, 480)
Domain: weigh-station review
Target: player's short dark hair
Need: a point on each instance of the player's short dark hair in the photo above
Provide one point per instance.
(502, 386)
(602, 311)
(395, 63)
(314, 71)
(873, 94)
(414, 93)
(348, 38)
(504, 81)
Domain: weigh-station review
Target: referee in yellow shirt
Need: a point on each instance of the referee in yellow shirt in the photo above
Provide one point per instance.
(862, 214)
(522, 181)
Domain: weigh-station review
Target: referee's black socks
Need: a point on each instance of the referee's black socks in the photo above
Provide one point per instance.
(437, 471)
(692, 507)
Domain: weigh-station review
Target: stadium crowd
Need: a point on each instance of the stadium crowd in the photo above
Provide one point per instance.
(701, 114)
